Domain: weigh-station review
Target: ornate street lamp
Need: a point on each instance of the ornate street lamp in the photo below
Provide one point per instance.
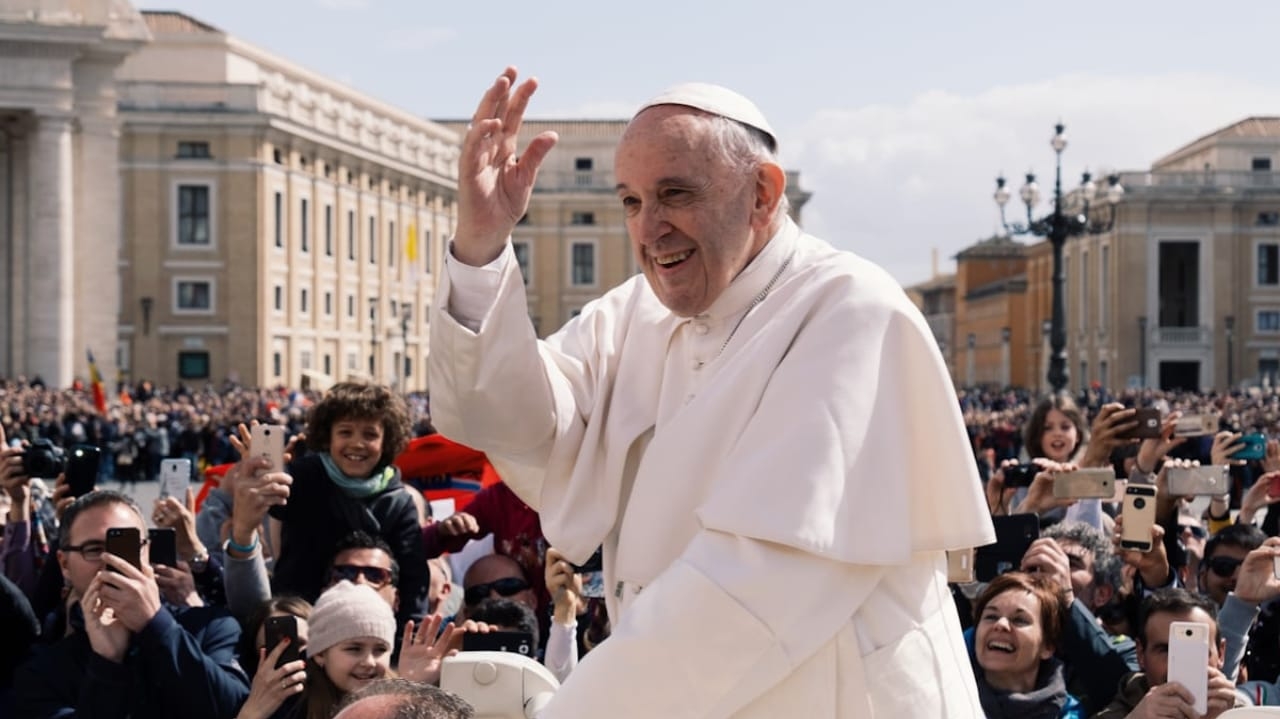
(1057, 227)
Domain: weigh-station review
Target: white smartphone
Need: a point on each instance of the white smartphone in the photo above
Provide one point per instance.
(960, 565)
(175, 478)
(1208, 480)
(1096, 482)
(1196, 425)
(1189, 660)
(1139, 514)
(268, 441)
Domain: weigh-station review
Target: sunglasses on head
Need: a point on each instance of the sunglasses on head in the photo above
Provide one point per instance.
(505, 587)
(375, 576)
(1223, 566)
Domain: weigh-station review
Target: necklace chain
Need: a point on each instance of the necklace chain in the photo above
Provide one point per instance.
(763, 293)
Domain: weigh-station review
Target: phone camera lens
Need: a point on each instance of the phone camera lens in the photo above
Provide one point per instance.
(1139, 503)
(1188, 632)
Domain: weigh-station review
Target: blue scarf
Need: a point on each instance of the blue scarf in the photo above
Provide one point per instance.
(356, 487)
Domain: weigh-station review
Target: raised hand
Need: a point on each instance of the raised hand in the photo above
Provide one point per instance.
(422, 652)
(1113, 420)
(108, 636)
(1045, 557)
(271, 684)
(1225, 444)
(459, 524)
(565, 587)
(494, 183)
(1151, 451)
(177, 585)
(1257, 580)
(130, 593)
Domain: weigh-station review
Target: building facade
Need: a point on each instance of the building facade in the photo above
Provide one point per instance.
(59, 185)
(280, 228)
(990, 344)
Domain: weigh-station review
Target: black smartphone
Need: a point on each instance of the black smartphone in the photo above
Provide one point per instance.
(163, 546)
(1014, 535)
(1020, 475)
(1150, 423)
(82, 469)
(125, 543)
(514, 642)
(594, 563)
(276, 629)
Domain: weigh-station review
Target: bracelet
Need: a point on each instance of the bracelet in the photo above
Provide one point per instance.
(231, 544)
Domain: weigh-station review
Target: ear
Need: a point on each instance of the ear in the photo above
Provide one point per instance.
(63, 557)
(771, 186)
(1047, 652)
(319, 659)
(1142, 654)
(1222, 653)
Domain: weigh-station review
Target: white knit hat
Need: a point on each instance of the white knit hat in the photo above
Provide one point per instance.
(349, 611)
(716, 100)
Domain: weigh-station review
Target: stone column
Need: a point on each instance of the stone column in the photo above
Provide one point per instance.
(50, 262)
(97, 246)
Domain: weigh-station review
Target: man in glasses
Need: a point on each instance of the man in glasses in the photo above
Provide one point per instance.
(1223, 554)
(123, 653)
(497, 575)
(365, 559)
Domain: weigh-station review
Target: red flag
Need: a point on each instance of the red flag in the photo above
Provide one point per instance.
(95, 382)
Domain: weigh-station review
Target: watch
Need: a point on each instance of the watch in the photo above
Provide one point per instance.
(199, 562)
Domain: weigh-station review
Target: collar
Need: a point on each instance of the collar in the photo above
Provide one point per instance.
(755, 276)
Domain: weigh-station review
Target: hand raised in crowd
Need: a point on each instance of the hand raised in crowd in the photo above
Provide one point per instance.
(181, 517)
(272, 684)
(459, 524)
(1225, 444)
(422, 652)
(61, 497)
(1040, 494)
(1113, 420)
(1151, 451)
(565, 587)
(1257, 582)
(1165, 701)
(1221, 695)
(255, 496)
(1153, 565)
(108, 636)
(12, 480)
(177, 585)
(494, 180)
(999, 496)
(1257, 497)
(1271, 461)
(130, 593)
(1046, 557)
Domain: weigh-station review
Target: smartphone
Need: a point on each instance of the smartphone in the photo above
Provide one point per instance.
(1196, 425)
(960, 565)
(1189, 661)
(1098, 482)
(1208, 480)
(1255, 447)
(162, 547)
(276, 629)
(82, 469)
(1149, 421)
(1014, 535)
(268, 441)
(1020, 475)
(515, 642)
(1139, 514)
(125, 543)
(175, 478)
(594, 563)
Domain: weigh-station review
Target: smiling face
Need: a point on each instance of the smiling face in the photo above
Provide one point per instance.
(352, 664)
(356, 446)
(695, 221)
(1060, 437)
(1009, 641)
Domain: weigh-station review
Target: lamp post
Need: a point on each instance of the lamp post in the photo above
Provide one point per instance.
(1057, 227)
(1229, 322)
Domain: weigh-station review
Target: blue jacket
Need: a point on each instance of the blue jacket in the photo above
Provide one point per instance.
(182, 664)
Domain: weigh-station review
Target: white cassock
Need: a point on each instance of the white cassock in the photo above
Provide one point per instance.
(773, 509)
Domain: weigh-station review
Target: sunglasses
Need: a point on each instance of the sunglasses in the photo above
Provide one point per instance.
(1223, 566)
(504, 587)
(374, 576)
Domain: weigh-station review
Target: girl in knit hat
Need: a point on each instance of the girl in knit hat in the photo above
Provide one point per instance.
(352, 632)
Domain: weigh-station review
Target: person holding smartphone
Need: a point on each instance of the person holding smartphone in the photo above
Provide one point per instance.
(122, 651)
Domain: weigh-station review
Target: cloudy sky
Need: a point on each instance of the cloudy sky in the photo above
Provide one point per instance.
(898, 115)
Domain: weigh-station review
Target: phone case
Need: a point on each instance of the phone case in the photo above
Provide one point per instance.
(1196, 425)
(1149, 421)
(163, 546)
(1014, 535)
(514, 642)
(268, 441)
(1207, 480)
(1139, 514)
(175, 478)
(275, 629)
(126, 543)
(1189, 660)
(1096, 482)
(1255, 448)
(82, 469)
(960, 566)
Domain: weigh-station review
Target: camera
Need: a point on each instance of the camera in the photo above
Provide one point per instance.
(42, 459)
(1139, 503)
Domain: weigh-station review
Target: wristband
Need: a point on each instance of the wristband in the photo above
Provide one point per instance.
(231, 544)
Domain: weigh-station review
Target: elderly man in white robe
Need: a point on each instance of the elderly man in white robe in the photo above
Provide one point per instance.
(759, 430)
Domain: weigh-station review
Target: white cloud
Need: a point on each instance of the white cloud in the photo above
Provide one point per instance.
(892, 182)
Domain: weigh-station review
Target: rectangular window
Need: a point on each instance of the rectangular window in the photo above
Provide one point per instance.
(279, 297)
(275, 364)
(584, 263)
(303, 306)
(279, 218)
(193, 215)
(351, 234)
(328, 230)
(195, 295)
(351, 305)
(194, 150)
(306, 226)
(304, 359)
(352, 360)
(583, 164)
(408, 367)
(582, 218)
(328, 362)
(391, 244)
(1268, 263)
(1261, 164)
(1104, 288)
(1179, 284)
(328, 304)
(522, 258)
(193, 365)
(426, 250)
(1268, 321)
(373, 241)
